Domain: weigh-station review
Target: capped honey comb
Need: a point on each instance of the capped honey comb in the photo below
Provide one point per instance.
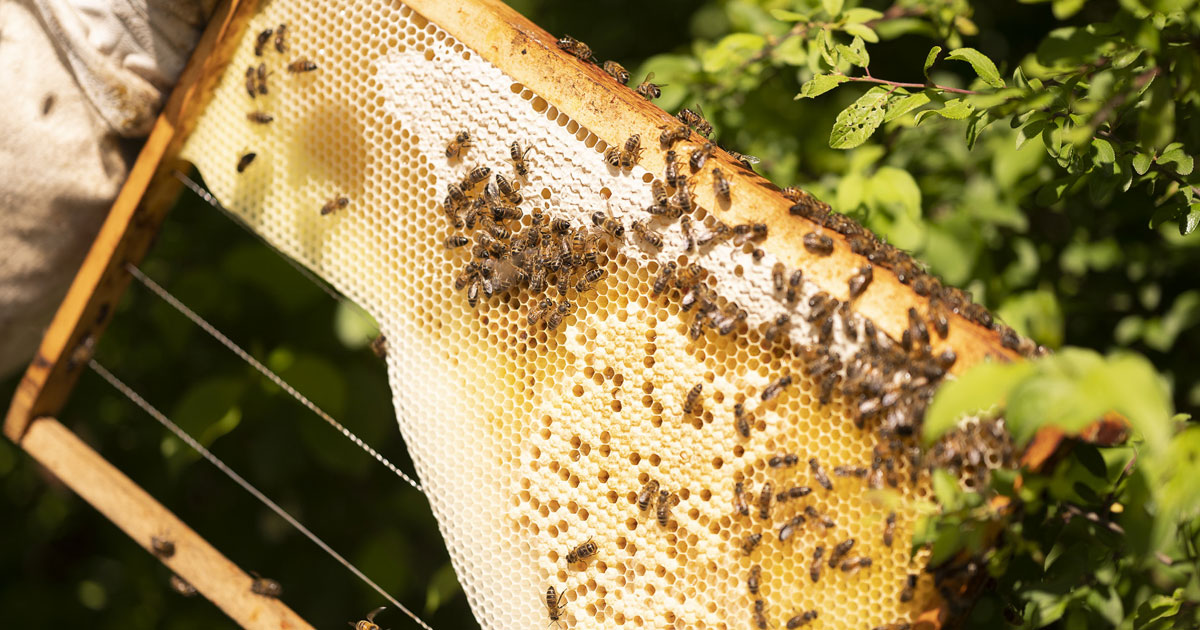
(529, 439)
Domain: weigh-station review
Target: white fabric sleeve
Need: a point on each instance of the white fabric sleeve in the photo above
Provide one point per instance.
(84, 82)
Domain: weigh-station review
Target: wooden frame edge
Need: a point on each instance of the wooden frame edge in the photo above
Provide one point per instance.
(127, 231)
(133, 510)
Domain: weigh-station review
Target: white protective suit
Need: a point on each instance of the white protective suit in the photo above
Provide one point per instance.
(84, 80)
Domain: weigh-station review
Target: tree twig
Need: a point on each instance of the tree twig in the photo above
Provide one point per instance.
(899, 84)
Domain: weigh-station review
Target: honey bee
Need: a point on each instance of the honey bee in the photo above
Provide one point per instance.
(685, 226)
(720, 185)
(784, 461)
(819, 244)
(265, 586)
(1009, 338)
(937, 316)
(801, 620)
(889, 529)
(753, 579)
(301, 65)
(162, 547)
(632, 151)
(688, 277)
(793, 292)
(795, 492)
(741, 420)
(589, 279)
(518, 158)
(920, 333)
(507, 190)
(776, 387)
(894, 626)
(261, 41)
(909, 589)
(652, 238)
(461, 142)
(379, 346)
(819, 474)
(647, 494)
(850, 471)
(280, 39)
(751, 542)
(617, 71)
(840, 552)
(261, 75)
(673, 133)
(855, 563)
(860, 281)
(648, 90)
(369, 622)
(554, 605)
(740, 504)
(333, 205)
(764, 501)
(539, 312)
(814, 570)
(665, 502)
(612, 156)
(454, 241)
(789, 528)
(476, 175)
(559, 313)
(760, 617)
(693, 399)
(777, 328)
(683, 200)
(817, 517)
(700, 155)
(671, 173)
(582, 552)
(747, 161)
(695, 120)
(792, 193)
(758, 254)
(473, 293)
(261, 118)
(181, 586)
(251, 82)
(659, 192)
(728, 323)
(245, 161)
(575, 47)
(608, 223)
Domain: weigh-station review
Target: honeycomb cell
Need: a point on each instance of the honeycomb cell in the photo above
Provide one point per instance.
(531, 440)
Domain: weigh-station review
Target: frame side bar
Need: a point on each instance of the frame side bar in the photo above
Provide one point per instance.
(128, 230)
(129, 507)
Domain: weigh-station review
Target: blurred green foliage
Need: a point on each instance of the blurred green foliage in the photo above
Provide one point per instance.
(1057, 194)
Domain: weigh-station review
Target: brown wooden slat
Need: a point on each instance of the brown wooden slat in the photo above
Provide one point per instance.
(137, 513)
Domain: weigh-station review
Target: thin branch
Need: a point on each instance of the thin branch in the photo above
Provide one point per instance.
(899, 84)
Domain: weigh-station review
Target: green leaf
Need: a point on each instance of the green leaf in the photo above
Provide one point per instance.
(956, 109)
(853, 56)
(731, 52)
(946, 489)
(895, 189)
(862, 31)
(1174, 154)
(1105, 154)
(857, 122)
(898, 108)
(1158, 612)
(983, 66)
(789, 16)
(832, 7)
(982, 388)
(931, 59)
(1189, 222)
(860, 15)
(820, 84)
(1141, 163)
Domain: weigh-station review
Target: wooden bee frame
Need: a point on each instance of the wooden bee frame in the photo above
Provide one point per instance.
(529, 55)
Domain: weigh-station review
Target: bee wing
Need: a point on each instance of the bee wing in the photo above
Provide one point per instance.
(371, 615)
(648, 77)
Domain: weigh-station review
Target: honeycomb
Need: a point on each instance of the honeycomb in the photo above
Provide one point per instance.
(532, 440)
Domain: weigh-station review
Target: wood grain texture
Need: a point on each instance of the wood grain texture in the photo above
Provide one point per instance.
(137, 513)
(127, 232)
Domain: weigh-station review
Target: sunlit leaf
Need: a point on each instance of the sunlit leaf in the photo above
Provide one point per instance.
(832, 7)
(902, 106)
(931, 59)
(984, 67)
(856, 123)
(820, 84)
(983, 388)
